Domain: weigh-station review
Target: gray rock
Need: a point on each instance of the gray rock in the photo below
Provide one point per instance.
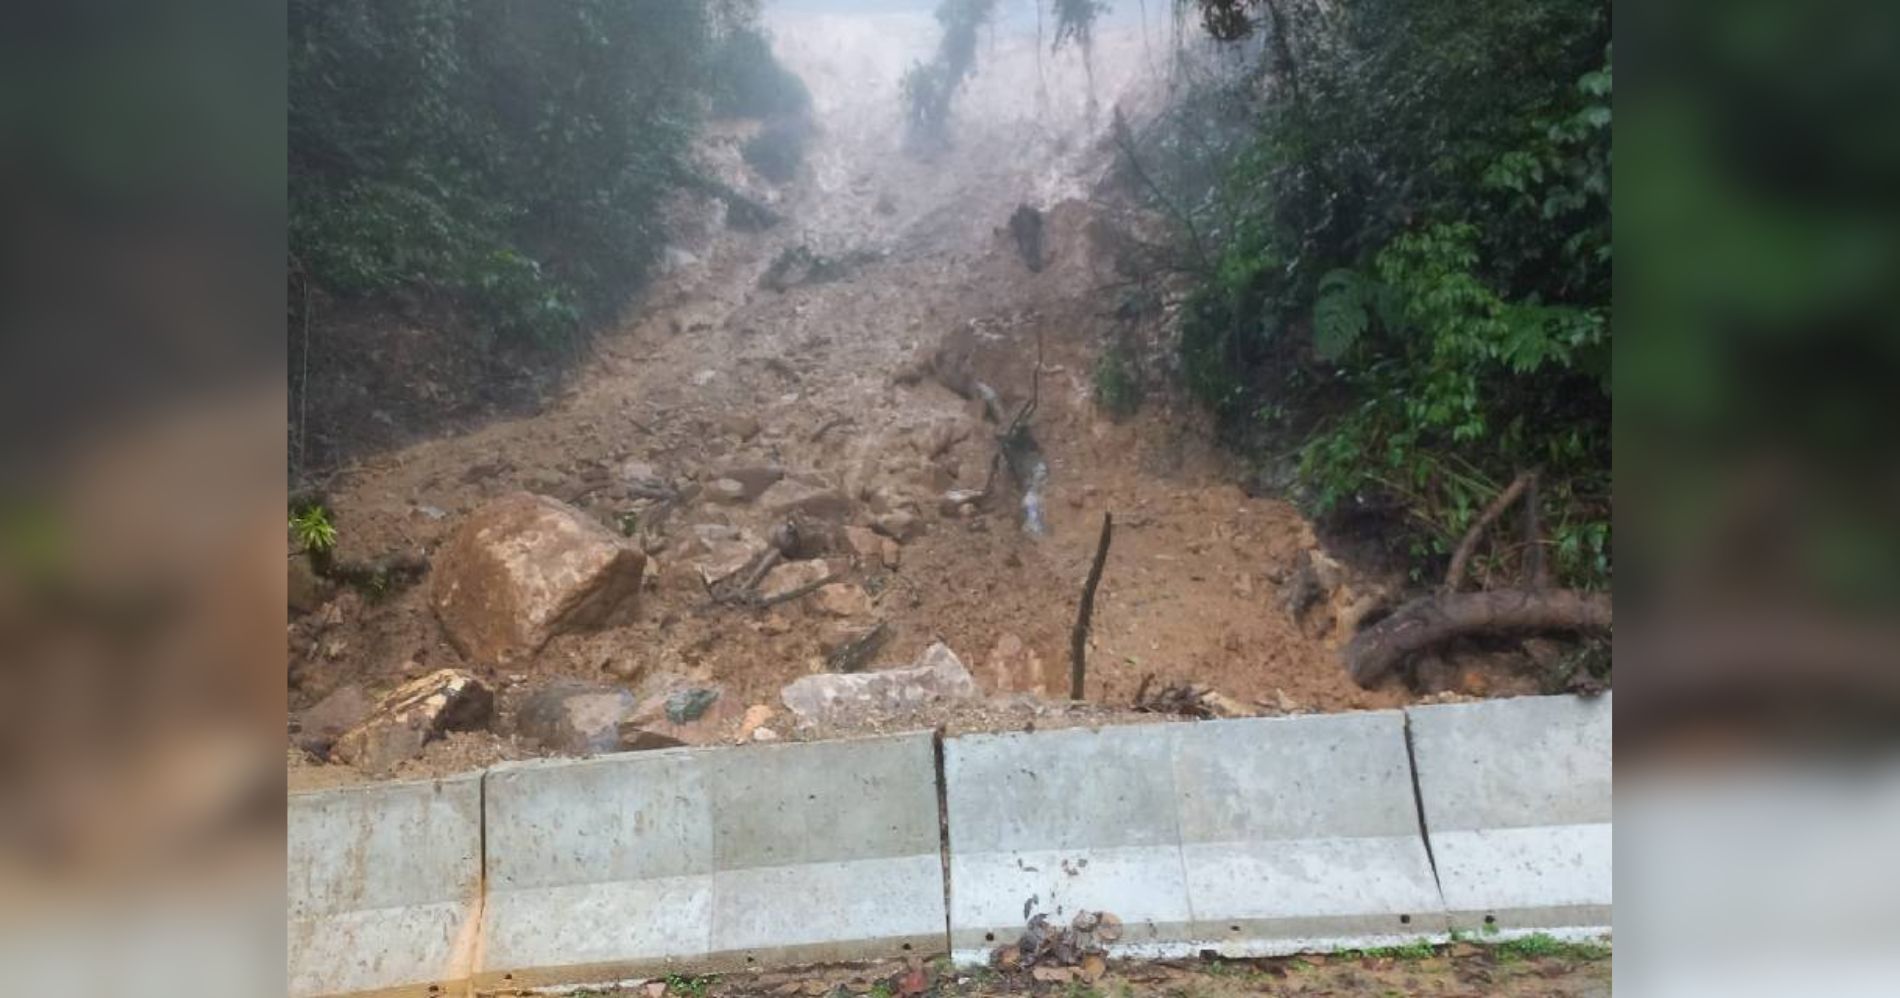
(937, 675)
(898, 525)
(789, 496)
(323, 723)
(575, 718)
(684, 706)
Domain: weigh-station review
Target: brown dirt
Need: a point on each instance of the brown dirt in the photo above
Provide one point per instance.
(1193, 584)
(1465, 970)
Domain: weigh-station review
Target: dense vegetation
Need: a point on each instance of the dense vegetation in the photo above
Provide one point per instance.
(509, 158)
(1405, 264)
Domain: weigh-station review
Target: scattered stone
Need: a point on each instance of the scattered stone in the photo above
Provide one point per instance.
(729, 491)
(865, 543)
(743, 426)
(792, 576)
(684, 706)
(1053, 975)
(524, 568)
(324, 722)
(955, 501)
(1085, 921)
(1108, 928)
(754, 479)
(574, 718)
(842, 599)
(937, 675)
(1007, 957)
(789, 496)
(1092, 968)
(754, 719)
(412, 715)
(642, 475)
(764, 735)
(655, 989)
(898, 525)
(727, 558)
(890, 553)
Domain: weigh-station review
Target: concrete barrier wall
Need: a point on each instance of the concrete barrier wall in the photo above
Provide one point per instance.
(1246, 837)
(384, 886)
(1516, 795)
(625, 866)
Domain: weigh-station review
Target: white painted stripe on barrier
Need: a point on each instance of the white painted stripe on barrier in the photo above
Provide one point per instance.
(1246, 837)
(612, 868)
(383, 886)
(1517, 803)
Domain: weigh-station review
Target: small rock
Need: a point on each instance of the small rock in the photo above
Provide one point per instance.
(323, 723)
(754, 479)
(655, 989)
(764, 735)
(967, 510)
(743, 426)
(729, 491)
(955, 500)
(1221, 705)
(412, 715)
(1085, 921)
(789, 496)
(1053, 975)
(754, 719)
(574, 718)
(842, 599)
(792, 576)
(866, 544)
(727, 558)
(642, 475)
(1093, 967)
(898, 525)
(683, 706)
(1007, 957)
(1108, 928)
(937, 675)
(890, 553)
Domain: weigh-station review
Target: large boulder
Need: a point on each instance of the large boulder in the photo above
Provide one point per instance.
(832, 696)
(524, 568)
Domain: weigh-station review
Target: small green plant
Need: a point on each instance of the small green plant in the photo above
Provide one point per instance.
(1116, 387)
(1544, 946)
(314, 532)
(881, 989)
(689, 987)
(1419, 950)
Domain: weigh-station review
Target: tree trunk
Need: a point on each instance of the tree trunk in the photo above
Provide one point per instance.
(1430, 620)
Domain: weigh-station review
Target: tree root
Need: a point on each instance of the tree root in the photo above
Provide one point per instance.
(1430, 620)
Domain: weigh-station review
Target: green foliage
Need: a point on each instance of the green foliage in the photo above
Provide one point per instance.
(688, 986)
(310, 526)
(1543, 946)
(1411, 264)
(508, 157)
(1412, 951)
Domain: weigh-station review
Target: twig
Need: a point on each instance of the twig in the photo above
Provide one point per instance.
(742, 593)
(1455, 574)
(808, 587)
(1078, 639)
(831, 424)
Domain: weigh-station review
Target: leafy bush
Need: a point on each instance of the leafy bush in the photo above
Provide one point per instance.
(510, 156)
(1412, 261)
(1117, 389)
(928, 88)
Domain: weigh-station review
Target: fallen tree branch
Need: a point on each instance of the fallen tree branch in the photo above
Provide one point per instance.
(1431, 620)
(1455, 575)
(1079, 638)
